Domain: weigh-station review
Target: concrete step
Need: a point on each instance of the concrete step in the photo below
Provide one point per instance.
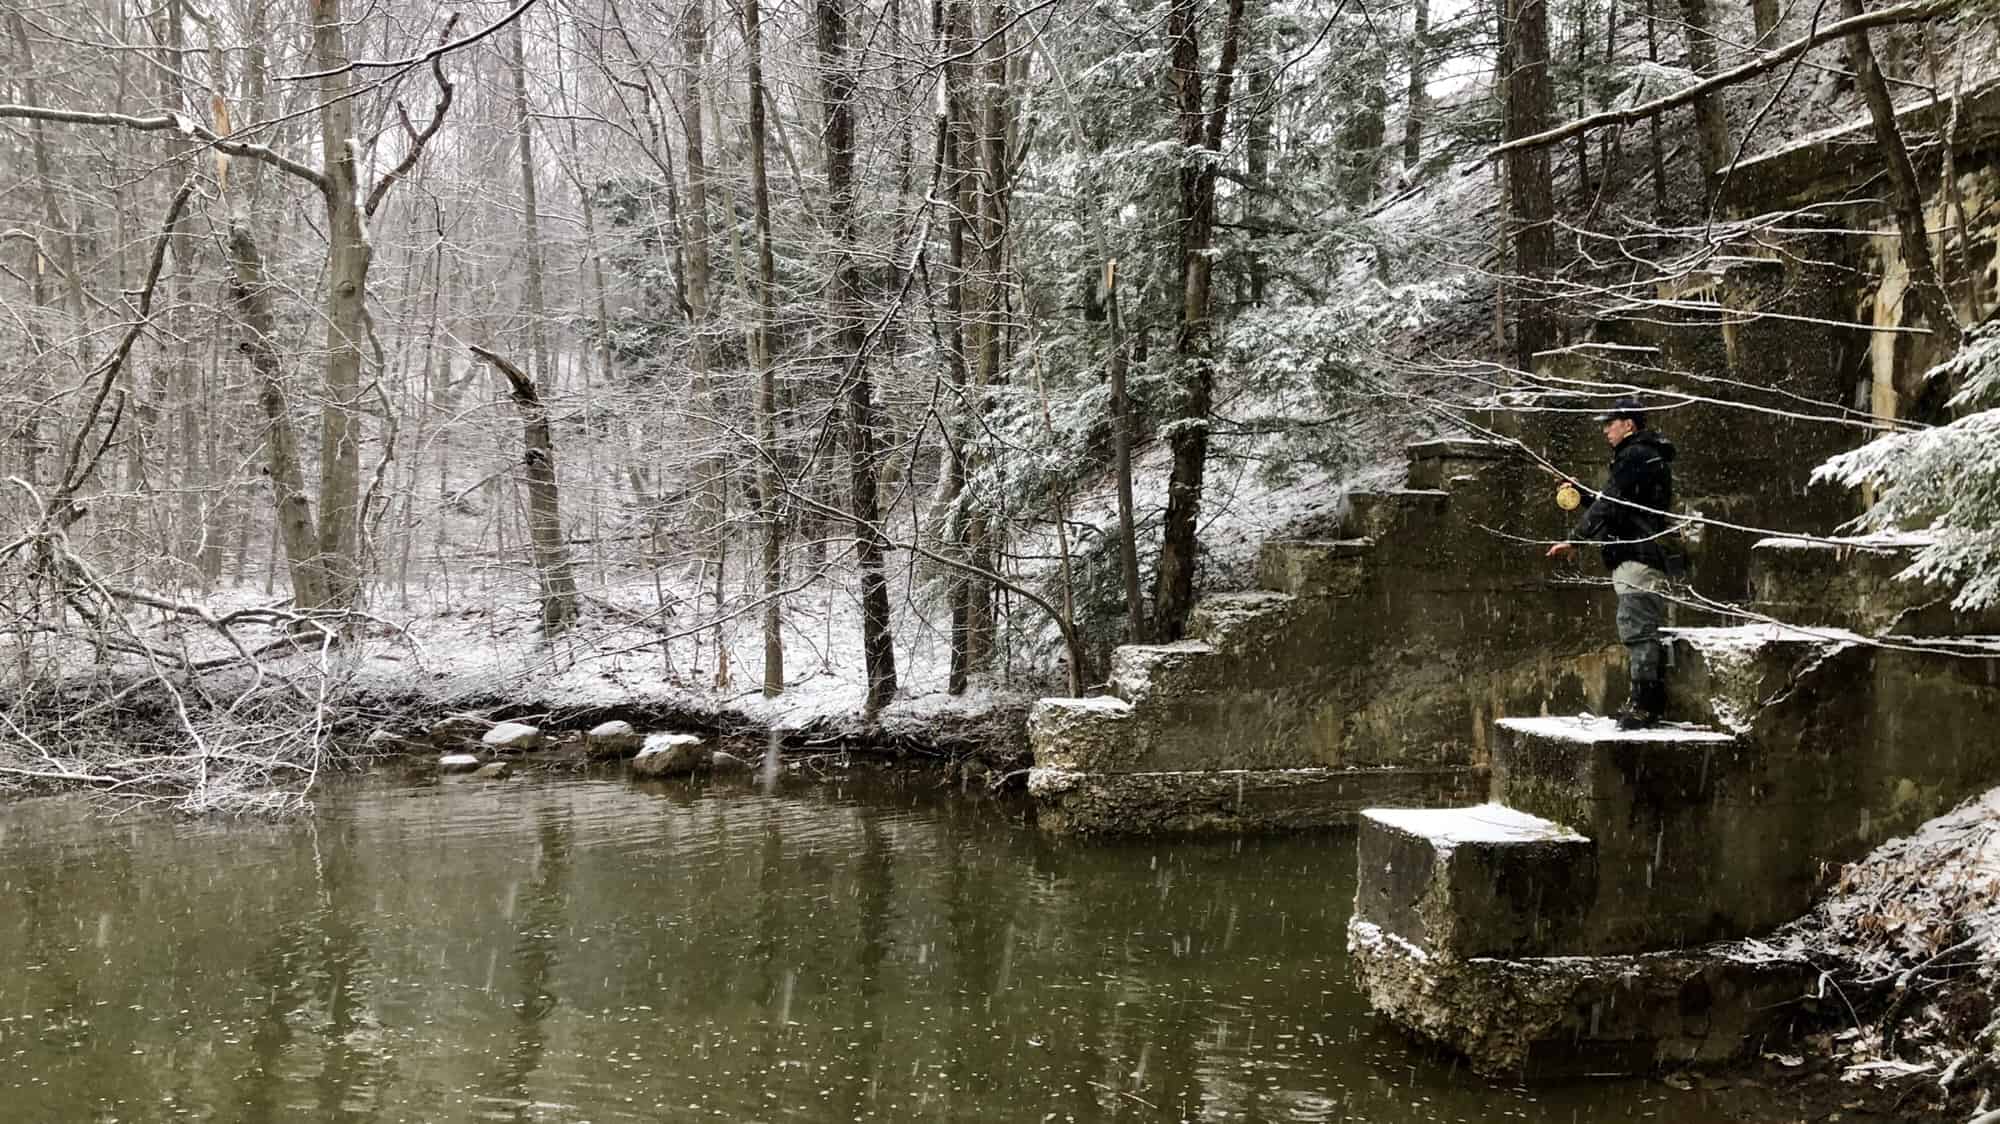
(1679, 817)
(1480, 881)
(1093, 733)
(1314, 567)
(1185, 667)
(1725, 677)
(1853, 584)
(1234, 801)
(1435, 464)
(1238, 622)
(1211, 730)
(1384, 515)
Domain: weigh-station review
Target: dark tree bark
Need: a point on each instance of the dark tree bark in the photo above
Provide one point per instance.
(1926, 289)
(1711, 121)
(837, 98)
(1257, 147)
(545, 530)
(951, 17)
(1419, 64)
(710, 498)
(1121, 463)
(1655, 151)
(1531, 199)
(769, 508)
(1200, 132)
(1764, 15)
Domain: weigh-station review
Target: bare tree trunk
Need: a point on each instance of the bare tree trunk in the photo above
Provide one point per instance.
(545, 528)
(1525, 62)
(1764, 15)
(837, 84)
(1257, 147)
(348, 257)
(991, 330)
(1121, 464)
(251, 293)
(1419, 64)
(1711, 122)
(531, 234)
(1906, 195)
(1656, 152)
(1200, 132)
(769, 502)
(710, 470)
(1583, 189)
(952, 500)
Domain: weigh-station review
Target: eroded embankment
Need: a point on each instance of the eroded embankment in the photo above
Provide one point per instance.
(1910, 938)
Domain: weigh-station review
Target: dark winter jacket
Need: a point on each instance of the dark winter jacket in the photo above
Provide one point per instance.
(1641, 475)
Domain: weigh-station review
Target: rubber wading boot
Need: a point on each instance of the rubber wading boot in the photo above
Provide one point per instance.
(1648, 702)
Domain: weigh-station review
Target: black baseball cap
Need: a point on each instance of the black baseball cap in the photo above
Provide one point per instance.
(1625, 408)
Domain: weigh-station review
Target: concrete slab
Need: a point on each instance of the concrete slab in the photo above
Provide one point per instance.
(1682, 819)
(1555, 1017)
(1234, 801)
(1480, 881)
(1314, 567)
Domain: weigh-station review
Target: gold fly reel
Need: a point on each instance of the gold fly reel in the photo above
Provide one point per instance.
(1568, 497)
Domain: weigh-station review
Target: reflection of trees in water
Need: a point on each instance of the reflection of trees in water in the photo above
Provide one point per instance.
(50, 899)
(536, 958)
(338, 968)
(875, 894)
(279, 980)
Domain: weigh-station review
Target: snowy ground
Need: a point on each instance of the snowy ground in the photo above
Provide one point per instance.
(1911, 937)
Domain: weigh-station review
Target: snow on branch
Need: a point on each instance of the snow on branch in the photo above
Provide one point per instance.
(1944, 479)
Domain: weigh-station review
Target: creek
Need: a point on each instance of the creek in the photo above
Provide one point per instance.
(588, 949)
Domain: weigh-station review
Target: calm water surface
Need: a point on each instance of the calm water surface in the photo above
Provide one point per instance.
(592, 950)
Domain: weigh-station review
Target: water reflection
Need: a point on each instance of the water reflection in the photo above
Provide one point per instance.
(596, 951)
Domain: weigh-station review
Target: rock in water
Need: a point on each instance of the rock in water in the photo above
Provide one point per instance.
(517, 737)
(383, 743)
(612, 739)
(457, 763)
(494, 771)
(671, 755)
(722, 763)
(456, 730)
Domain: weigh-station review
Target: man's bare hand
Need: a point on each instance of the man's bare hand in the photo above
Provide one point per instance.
(1560, 550)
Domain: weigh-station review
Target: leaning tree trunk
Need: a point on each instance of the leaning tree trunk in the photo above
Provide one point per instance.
(1531, 199)
(837, 86)
(1906, 195)
(545, 530)
(250, 292)
(1201, 134)
(769, 509)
